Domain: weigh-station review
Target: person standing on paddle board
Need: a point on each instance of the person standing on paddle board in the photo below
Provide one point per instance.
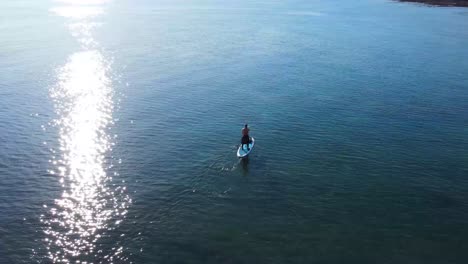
(245, 137)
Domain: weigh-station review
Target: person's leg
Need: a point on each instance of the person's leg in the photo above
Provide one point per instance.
(244, 141)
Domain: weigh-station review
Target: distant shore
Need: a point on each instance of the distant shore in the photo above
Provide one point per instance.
(463, 3)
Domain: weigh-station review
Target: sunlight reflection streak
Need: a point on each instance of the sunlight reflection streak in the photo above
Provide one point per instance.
(90, 205)
(77, 12)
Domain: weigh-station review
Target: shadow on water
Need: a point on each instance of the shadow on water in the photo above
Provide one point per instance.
(244, 163)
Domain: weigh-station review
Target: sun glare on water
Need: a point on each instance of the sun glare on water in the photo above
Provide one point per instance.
(90, 205)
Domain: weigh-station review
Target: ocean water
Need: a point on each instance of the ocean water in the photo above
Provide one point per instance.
(119, 123)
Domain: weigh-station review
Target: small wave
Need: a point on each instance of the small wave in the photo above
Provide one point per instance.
(304, 13)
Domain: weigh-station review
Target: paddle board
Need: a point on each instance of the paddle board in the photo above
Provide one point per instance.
(242, 152)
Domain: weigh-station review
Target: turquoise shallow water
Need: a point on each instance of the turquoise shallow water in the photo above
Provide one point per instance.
(120, 122)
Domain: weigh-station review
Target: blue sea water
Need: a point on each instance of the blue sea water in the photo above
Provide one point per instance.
(120, 120)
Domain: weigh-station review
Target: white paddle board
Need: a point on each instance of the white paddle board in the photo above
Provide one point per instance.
(243, 152)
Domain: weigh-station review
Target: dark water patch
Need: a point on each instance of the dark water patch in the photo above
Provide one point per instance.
(446, 3)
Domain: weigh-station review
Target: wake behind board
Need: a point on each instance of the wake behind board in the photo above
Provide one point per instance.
(242, 152)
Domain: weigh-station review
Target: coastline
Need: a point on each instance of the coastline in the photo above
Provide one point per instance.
(446, 3)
